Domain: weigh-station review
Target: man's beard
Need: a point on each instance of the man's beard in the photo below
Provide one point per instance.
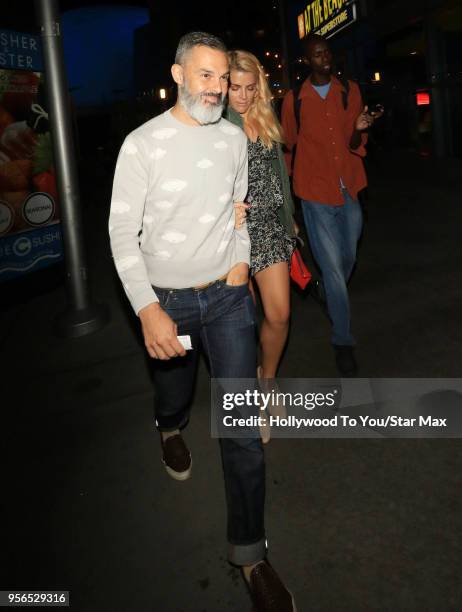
(200, 112)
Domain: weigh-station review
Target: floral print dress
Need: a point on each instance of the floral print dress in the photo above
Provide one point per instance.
(269, 240)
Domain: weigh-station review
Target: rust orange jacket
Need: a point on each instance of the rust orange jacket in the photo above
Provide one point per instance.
(323, 154)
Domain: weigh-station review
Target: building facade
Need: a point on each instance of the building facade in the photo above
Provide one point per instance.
(404, 55)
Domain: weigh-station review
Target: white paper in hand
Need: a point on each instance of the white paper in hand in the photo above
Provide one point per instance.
(186, 342)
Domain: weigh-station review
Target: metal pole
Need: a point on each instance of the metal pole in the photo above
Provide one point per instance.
(82, 317)
(284, 47)
(436, 68)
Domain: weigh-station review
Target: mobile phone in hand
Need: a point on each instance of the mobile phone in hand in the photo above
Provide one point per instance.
(376, 111)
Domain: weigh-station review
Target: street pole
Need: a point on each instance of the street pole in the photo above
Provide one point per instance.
(284, 46)
(436, 68)
(82, 317)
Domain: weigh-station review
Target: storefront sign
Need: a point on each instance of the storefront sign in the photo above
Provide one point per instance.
(326, 17)
(20, 51)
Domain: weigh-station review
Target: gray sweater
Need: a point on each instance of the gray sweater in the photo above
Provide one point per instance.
(172, 217)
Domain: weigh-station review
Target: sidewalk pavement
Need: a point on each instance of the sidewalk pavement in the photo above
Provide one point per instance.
(352, 524)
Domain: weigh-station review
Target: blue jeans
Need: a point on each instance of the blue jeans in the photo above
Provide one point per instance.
(221, 319)
(334, 232)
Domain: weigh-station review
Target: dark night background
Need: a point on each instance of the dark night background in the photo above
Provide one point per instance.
(415, 47)
(372, 524)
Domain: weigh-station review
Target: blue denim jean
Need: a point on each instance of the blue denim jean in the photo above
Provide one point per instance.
(334, 232)
(220, 319)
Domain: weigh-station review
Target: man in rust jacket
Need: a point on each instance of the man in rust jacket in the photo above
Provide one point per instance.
(327, 175)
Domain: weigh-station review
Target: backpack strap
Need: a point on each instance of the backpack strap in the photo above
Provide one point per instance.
(345, 91)
(296, 108)
(297, 104)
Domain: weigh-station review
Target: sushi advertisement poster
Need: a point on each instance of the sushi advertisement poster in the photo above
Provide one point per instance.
(30, 229)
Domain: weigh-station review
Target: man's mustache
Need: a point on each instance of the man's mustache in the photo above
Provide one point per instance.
(212, 94)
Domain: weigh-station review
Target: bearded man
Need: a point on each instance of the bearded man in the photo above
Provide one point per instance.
(184, 268)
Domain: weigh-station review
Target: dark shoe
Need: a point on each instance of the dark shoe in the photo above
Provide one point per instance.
(345, 360)
(176, 457)
(268, 592)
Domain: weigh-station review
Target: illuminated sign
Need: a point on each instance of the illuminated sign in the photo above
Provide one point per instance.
(326, 17)
(423, 98)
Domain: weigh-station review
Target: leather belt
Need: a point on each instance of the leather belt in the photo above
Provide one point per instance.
(196, 288)
(206, 285)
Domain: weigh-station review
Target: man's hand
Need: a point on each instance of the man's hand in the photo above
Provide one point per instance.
(364, 120)
(238, 275)
(240, 213)
(362, 123)
(160, 333)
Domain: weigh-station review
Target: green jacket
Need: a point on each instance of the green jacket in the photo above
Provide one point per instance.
(286, 211)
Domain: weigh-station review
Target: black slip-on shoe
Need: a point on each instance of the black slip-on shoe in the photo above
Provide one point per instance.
(268, 591)
(176, 457)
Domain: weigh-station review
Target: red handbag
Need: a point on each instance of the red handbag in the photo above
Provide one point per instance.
(299, 273)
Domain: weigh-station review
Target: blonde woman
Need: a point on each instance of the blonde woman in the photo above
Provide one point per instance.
(270, 208)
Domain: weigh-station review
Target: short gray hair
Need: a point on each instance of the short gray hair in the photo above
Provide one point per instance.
(194, 39)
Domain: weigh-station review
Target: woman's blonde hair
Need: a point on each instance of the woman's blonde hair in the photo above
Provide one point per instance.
(261, 112)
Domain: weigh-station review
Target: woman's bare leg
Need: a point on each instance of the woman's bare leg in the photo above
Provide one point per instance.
(274, 286)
